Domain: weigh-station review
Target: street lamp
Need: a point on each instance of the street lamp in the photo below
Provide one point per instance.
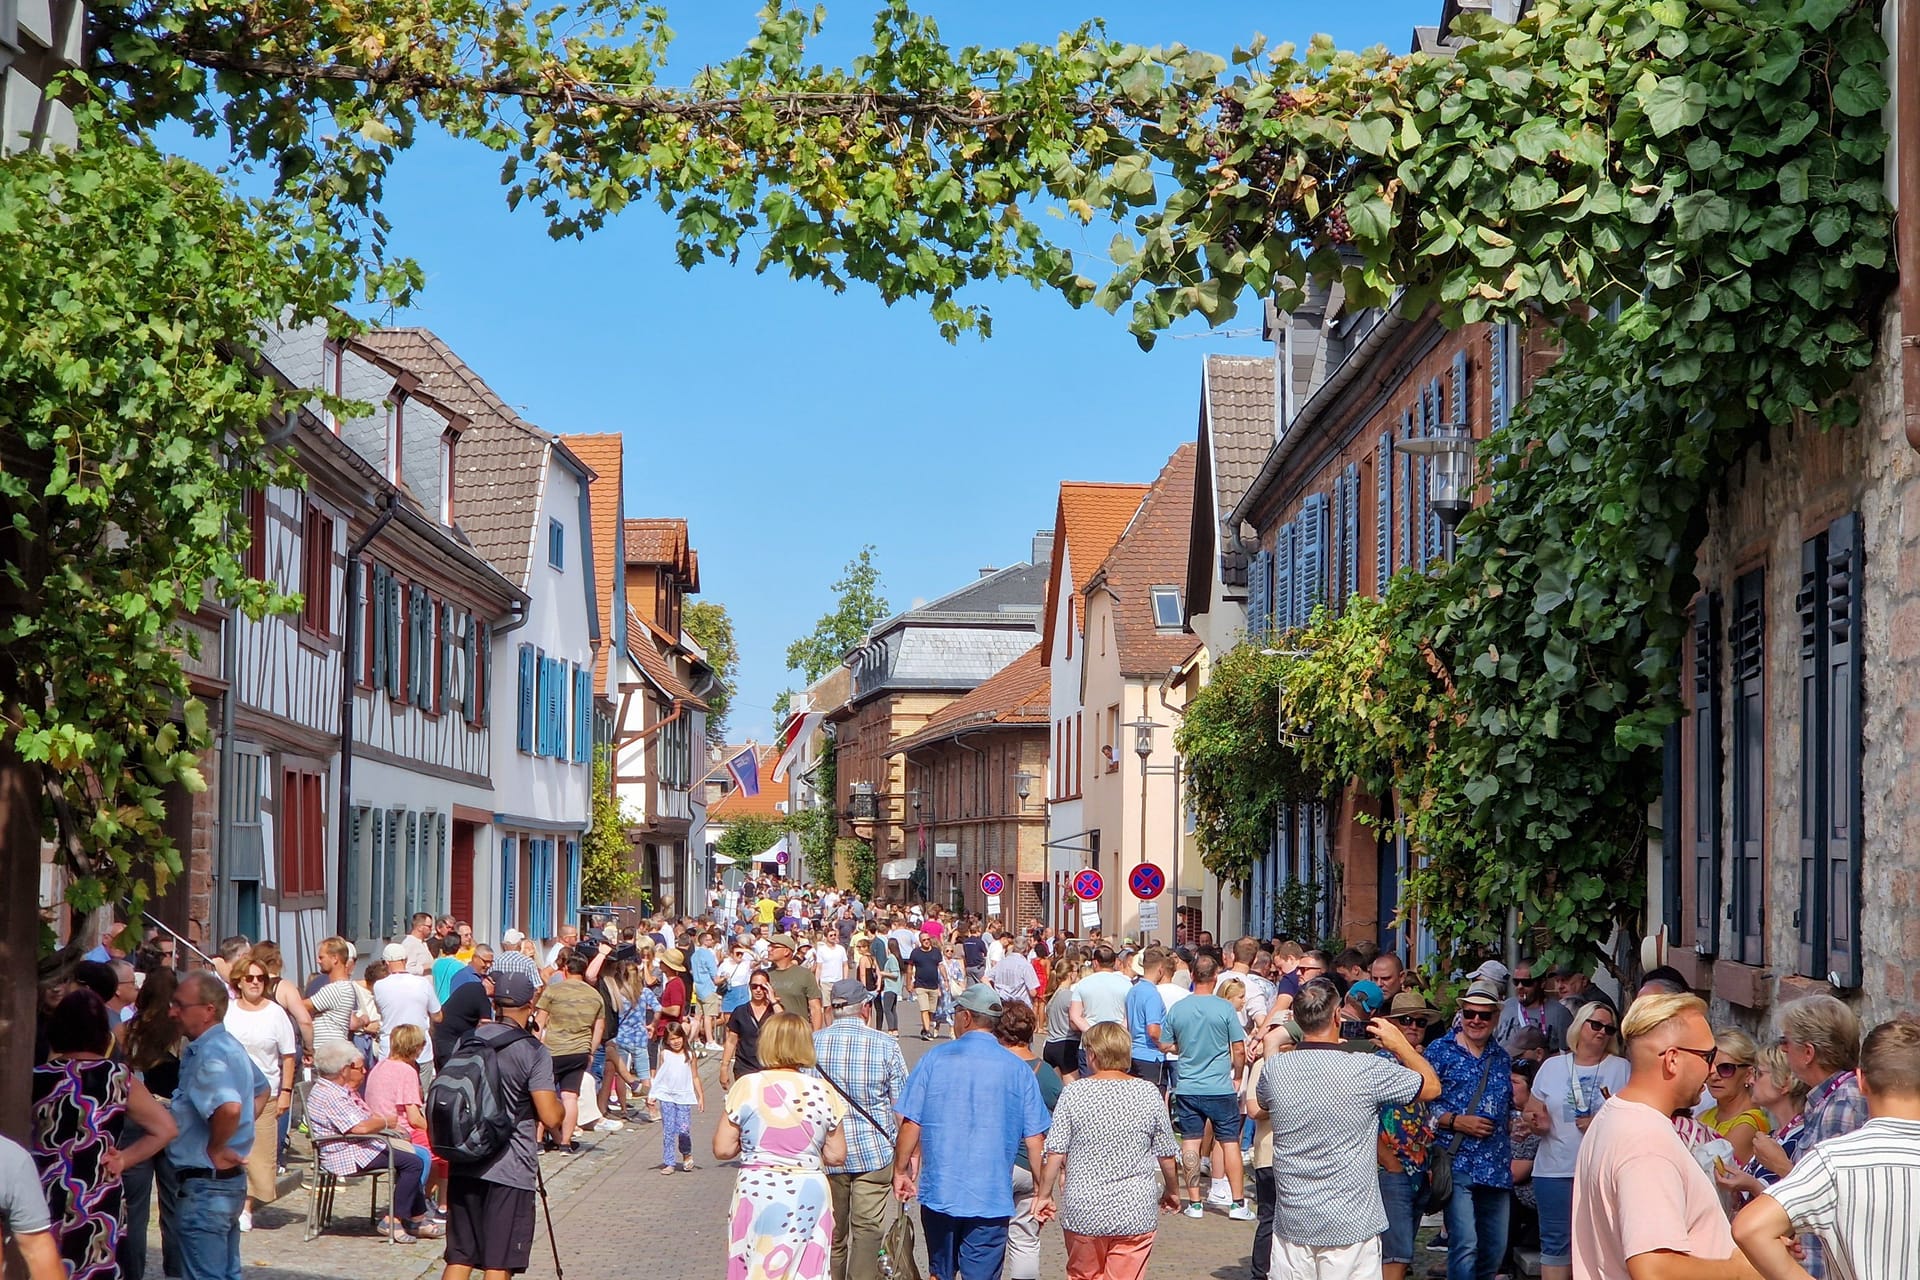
(1143, 730)
(1451, 449)
(1023, 787)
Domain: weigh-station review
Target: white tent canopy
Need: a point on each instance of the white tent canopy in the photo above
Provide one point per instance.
(898, 868)
(773, 852)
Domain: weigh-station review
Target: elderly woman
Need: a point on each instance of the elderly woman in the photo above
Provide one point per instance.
(1109, 1133)
(335, 1109)
(785, 1127)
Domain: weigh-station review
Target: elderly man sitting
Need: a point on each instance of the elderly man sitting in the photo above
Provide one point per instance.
(336, 1109)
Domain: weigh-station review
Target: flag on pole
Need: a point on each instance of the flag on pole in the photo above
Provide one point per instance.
(799, 728)
(745, 769)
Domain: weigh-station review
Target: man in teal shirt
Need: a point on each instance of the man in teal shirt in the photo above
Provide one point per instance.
(1205, 1031)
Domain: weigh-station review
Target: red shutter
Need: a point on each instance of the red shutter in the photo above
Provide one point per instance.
(460, 876)
(313, 813)
(253, 508)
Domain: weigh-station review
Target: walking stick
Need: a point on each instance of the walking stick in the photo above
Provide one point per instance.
(540, 1180)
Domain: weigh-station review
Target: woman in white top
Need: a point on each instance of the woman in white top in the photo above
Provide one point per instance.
(1568, 1090)
(265, 1031)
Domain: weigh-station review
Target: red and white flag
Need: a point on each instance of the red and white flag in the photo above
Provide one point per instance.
(800, 728)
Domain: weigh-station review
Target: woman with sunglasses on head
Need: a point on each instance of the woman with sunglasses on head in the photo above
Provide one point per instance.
(265, 1031)
(1568, 1090)
(742, 1053)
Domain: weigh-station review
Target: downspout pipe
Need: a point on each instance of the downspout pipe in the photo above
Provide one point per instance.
(1907, 187)
(348, 657)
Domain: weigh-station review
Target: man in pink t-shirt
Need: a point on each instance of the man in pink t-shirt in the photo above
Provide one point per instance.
(1643, 1208)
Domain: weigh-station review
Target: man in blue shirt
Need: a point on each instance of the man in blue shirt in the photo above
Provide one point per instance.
(1470, 1117)
(967, 1109)
(1205, 1031)
(213, 1106)
(704, 965)
(1146, 1010)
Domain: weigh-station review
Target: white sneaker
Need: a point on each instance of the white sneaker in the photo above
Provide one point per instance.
(611, 1125)
(1193, 1210)
(1241, 1213)
(1219, 1193)
(246, 1220)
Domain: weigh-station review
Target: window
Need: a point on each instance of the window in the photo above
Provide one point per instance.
(253, 511)
(316, 572)
(1166, 608)
(1831, 798)
(332, 379)
(447, 442)
(556, 544)
(1111, 748)
(303, 834)
(396, 423)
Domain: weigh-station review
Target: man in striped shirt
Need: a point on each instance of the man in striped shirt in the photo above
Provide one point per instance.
(1859, 1192)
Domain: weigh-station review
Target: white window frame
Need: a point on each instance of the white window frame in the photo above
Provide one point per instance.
(447, 441)
(396, 422)
(1160, 595)
(333, 361)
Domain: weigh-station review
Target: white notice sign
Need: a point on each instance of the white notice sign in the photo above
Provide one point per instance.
(993, 904)
(1089, 916)
(1149, 916)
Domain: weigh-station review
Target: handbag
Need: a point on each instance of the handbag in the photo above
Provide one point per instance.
(1440, 1155)
(900, 1245)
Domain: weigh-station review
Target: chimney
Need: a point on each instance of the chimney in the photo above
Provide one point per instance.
(1043, 546)
(987, 570)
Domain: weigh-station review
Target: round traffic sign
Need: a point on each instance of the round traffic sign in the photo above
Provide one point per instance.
(1087, 885)
(1146, 881)
(991, 884)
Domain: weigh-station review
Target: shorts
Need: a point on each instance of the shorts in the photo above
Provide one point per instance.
(1554, 1196)
(1193, 1113)
(710, 1005)
(489, 1227)
(567, 1070)
(1062, 1055)
(928, 998)
(1153, 1072)
(1400, 1196)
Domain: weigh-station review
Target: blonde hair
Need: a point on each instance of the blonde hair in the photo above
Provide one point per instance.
(787, 1041)
(406, 1041)
(1109, 1046)
(1772, 1062)
(1736, 1045)
(1593, 1008)
(1656, 1009)
(1230, 988)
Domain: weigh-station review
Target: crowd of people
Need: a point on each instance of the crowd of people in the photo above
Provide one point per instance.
(1324, 1100)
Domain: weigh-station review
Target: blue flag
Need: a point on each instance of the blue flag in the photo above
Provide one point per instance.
(745, 769)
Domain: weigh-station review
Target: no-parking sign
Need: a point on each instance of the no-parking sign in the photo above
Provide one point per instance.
(1087, 885)
(1146, 881)
(992, 884)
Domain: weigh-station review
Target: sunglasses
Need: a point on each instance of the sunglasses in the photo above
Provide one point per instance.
(1476, 1015)
(1409, 1019)
(1728, 1070)
(253, 977)
(1604, 1028)
(758, 986)
(1526, 982)
(1705, 1055)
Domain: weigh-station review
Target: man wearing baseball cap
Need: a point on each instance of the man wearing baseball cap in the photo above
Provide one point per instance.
(865, 1067)
(795, 989)
(968, 1107)
(513, 960)
(490, 1204)
(406, 998)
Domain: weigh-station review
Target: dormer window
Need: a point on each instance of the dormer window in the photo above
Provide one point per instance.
(333, 361)
(1166, 608)
(448, 439)
(396, 413)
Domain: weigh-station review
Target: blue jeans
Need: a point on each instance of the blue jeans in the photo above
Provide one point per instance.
(964, 1248)
(207, 1211)
(1477, 1230)
(1554, 1196)
(1400, 1195)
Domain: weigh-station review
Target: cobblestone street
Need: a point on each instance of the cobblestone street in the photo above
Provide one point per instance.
(613, 1211)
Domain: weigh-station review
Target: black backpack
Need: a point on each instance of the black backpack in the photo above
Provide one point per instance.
(468, 1119)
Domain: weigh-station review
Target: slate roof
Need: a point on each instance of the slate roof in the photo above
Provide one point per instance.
(499, 467)
(1016, 695)
(956, 641)
(1152, 552)
(1090, 518)
(605, 454)
(1236, 433)
(737, 804)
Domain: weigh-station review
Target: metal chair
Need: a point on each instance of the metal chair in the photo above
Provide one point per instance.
(321, 1185)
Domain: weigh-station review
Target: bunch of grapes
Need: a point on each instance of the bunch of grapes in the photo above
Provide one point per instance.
(1337, 229)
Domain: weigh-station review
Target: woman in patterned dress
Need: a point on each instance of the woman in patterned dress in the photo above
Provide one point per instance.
(785, 1127)
(81, 1099)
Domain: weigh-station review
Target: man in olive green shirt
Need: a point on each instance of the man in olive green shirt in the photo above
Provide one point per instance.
(573, 1017)
(795, 989)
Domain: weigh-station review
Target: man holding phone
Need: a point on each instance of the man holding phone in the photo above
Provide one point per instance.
(1476, 1100)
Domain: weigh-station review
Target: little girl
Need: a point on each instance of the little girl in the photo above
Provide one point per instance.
(676, 1091)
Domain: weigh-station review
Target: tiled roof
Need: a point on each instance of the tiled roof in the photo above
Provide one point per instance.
(1016, 695)
(1236, 433)
(736, 804)
(659, 540)
(1089, 520)
(1152, 553)
(500, 463)
(604, 453)
(659, 669)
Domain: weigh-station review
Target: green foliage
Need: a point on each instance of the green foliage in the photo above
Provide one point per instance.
(1238, 772)
(711, 627)
(133, 416)
(746, 837)
(607, 870)
(858, 606)
(818, 825)
(859, 856)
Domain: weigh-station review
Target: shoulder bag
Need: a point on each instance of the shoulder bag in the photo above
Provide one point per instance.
(1440, 1154)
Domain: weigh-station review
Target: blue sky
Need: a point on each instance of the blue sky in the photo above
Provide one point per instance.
(791, 425)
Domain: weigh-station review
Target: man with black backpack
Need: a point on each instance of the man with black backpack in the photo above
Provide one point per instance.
(481, 1112)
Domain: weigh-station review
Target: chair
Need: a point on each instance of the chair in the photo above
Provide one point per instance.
(321, 1185)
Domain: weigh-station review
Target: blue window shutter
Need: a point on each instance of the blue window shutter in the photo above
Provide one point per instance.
(1434, 410)
(509, 853)
(1409, 496)
(1383, 515)
(1499, 376)
(1257, 596)
(524, 737)
(486, 673)
(445, 672)
(1313, 555)
(1350, 536)
(1457, 391)
(470, 649)
(582, 713)
(1708, 765)
(1336, 529)
(571, 898)
(377, 605)
(1282, 604)
(1843, 693)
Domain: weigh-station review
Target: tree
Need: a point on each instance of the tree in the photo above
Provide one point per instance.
(607, 873)
(858, 608)
(745, 838)
(711, 627)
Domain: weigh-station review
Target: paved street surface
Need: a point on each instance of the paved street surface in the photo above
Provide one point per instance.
(613, 1212)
